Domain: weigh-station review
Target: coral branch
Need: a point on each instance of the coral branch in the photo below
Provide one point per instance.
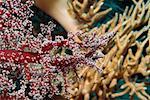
(87, 11)
(126, 55)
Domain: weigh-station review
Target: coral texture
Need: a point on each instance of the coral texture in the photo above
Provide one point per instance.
(127, 57)
(87, 12)
(31, 64)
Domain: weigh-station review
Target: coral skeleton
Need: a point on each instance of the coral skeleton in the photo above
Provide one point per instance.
(87, 12)
(125, 56)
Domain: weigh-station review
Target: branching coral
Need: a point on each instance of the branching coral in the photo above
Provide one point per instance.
(19, 46)
(125, 56)
(87, 11)
(23, 51)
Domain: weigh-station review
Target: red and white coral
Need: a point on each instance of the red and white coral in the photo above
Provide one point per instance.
(19, 47)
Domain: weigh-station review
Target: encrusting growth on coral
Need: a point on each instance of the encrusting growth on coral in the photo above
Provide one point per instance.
(126, 55)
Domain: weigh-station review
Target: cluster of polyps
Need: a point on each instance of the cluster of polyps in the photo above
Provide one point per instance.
(19, 46)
